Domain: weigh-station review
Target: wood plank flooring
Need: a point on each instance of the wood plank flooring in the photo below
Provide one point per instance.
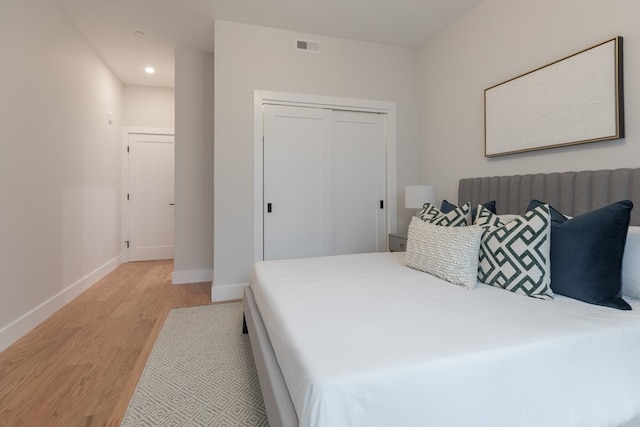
(80, 367)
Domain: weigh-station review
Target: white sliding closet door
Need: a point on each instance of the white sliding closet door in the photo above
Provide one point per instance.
(359, 211)
(297, 164)
(324, 182)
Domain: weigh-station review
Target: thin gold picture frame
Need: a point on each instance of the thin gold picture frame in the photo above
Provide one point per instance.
(575, 100)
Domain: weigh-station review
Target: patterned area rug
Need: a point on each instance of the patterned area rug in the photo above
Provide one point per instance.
(200, 372)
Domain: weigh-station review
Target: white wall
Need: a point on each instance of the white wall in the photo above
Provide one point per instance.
(498, 40)
(193, 250)
(249, 57)
(59, 166)
(148, 106)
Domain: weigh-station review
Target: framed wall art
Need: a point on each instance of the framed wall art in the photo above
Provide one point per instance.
(575, 100)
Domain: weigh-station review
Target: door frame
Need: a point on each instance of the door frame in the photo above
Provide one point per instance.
(124, 211)
(261, 97)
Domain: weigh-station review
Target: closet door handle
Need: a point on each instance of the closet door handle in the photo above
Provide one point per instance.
(269, 207)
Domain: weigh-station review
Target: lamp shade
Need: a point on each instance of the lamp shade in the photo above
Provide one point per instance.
(415, 196)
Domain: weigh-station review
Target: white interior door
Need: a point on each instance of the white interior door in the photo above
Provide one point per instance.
(297, 154)
(359, 211)
(151, 196)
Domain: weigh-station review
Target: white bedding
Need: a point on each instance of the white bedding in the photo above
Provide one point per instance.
(363, 340)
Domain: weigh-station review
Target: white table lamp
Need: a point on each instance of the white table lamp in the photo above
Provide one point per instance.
(417, 195)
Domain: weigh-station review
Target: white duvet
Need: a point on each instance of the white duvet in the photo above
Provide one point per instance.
(363, 340)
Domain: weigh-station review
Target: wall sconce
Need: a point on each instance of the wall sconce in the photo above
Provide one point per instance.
(415, 196)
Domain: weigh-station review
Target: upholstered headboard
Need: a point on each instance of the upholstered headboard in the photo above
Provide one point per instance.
(572, 193)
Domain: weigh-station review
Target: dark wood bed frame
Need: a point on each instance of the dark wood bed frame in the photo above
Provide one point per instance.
(573, 193)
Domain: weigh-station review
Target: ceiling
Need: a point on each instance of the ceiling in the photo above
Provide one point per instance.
(110, 26)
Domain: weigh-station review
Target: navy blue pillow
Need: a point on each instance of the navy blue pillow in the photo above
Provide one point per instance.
(586, 254)
(447, 207)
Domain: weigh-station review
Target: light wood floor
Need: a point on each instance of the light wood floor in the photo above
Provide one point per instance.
(81, 366)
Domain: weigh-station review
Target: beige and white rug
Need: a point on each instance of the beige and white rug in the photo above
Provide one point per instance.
(200, 372)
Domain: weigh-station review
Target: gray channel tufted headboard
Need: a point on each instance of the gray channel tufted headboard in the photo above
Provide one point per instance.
(572, 193)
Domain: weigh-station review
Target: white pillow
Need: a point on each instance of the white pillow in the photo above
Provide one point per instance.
(631, 264)
(450, 253)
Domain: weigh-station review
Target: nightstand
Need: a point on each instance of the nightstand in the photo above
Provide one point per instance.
(397, 243)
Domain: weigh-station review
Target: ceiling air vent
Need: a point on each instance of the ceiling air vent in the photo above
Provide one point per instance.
(307, 46)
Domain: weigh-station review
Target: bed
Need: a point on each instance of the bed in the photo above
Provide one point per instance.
(364, 340)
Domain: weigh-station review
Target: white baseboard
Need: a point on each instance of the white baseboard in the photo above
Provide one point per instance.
(227, 292)
(21, 326)
(191, 276)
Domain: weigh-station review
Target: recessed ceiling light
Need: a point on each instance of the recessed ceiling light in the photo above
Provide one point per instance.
(150, 70)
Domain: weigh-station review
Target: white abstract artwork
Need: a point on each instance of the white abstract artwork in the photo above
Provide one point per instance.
(571, 101)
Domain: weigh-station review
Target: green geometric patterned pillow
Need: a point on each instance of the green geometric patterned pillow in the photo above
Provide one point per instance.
(458, 217)
(515, 256)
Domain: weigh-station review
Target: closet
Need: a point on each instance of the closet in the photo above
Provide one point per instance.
(324, 181)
